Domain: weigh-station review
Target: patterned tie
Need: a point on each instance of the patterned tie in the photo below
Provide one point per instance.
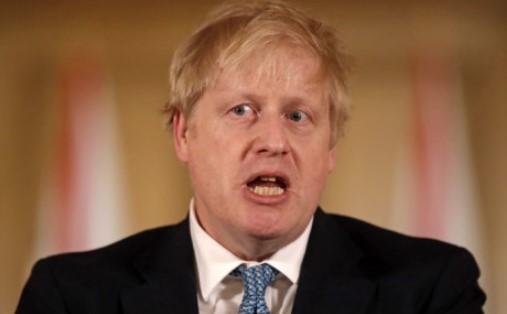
(255, 281)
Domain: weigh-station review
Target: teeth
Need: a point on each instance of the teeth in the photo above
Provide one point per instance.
(268, 179)
(266, 191)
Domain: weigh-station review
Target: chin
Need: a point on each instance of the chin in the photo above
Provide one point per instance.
(264, 222)
(264, 230)
(265, 236)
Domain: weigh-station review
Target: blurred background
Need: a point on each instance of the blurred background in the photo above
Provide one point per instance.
(85, 158)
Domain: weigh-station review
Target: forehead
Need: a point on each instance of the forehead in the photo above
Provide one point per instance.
(283, 68)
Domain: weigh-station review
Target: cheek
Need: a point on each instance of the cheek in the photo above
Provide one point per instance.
(214, 159)
(315, 153)
(316, 165)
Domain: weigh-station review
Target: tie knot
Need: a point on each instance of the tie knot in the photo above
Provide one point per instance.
(260, 275)
(255, 281)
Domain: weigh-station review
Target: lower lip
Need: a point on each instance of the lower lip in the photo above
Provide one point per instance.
(264, 199)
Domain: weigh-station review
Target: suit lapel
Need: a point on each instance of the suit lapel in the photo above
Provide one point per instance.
(331, 279)
(167, 276)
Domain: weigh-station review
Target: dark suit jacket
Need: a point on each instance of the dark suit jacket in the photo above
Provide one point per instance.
(350, 267)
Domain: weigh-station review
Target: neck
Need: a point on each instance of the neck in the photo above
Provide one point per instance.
(246, 246)
(253, 249)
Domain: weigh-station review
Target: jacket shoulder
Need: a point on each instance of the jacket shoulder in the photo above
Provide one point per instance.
(83, 279)
(112, 262)
(413, 272)
(120, 250)
(393, 246)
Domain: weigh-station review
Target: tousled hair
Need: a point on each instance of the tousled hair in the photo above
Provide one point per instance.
(234, 31)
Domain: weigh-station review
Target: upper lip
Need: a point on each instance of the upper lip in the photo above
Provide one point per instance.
(278, 173)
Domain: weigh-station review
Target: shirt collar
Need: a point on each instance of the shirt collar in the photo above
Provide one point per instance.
(214, 262)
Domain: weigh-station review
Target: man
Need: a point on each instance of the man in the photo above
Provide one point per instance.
(258, 100)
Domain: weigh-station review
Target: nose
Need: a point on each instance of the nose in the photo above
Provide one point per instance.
(271, 138)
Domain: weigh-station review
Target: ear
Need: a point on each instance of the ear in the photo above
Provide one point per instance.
(331, 158)
(180, 126)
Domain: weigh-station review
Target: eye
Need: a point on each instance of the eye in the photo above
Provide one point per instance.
(241, 109)
(297, 116)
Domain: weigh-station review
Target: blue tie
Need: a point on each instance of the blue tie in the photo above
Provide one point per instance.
(255, 281)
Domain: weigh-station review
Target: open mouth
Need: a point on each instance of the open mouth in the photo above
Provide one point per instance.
(268, 185)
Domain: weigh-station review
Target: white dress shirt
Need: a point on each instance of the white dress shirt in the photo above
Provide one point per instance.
(221, 293)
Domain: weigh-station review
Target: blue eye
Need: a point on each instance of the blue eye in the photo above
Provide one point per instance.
(241, 110)
(297, 116)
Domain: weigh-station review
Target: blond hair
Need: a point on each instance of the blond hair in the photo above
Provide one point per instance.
(234, 31)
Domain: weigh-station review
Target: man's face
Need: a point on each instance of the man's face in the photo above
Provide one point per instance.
(257, 145)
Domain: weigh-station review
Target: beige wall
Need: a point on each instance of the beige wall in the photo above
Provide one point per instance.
(134, 42)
